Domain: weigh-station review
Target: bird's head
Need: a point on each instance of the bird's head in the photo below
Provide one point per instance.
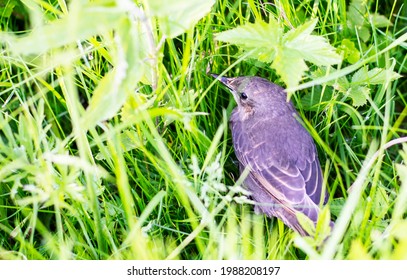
(254, 94)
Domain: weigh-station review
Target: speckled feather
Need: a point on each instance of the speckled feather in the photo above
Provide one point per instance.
(285, 174)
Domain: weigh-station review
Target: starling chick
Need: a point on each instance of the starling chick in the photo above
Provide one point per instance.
(284, 172)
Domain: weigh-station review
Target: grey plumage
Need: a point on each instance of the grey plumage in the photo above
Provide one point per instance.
(285, 174)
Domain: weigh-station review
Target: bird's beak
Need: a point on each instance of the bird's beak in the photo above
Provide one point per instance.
(228, 82)
(224, 80)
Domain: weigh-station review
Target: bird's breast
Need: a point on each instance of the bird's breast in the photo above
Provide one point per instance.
(282, 140)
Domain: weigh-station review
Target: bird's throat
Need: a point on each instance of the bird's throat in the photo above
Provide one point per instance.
(245, 112)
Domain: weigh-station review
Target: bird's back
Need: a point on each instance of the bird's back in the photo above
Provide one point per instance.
(285, 174)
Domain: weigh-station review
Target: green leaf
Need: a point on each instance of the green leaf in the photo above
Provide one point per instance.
(359, 95)
(306, 223)
(132, 41)
(260, 38)
(356, 13)
(135, 103)
(78, 25)
(266, 42)
(107, 99)
(312, 48)
(341, 84)
(324, 220)
(374, 77)
(381, 202)
(336, 206)
(364, 33)
(290, 66)
(360, 21)
(130, 67)
(357, 23)
(302, 31)
(350, 52)
(177, 16)
(380, 21)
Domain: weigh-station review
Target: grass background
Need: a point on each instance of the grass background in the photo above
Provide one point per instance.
(157, 178)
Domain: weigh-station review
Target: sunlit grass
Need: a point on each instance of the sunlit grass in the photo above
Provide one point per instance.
(158, 179)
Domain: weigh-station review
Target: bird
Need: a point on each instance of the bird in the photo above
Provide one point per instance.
(285, 176)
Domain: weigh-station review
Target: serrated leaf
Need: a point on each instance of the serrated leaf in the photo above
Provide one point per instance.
(262, 54)
(290, 66)
(375, 76)
(312, 48)
(302, 31)
(360, 76)
(341, 84)
(265, 42)
(177, 16)
(259, 37)
(359, 95)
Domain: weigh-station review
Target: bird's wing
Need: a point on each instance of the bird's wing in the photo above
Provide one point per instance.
(292, 185)
(288, 187)
(281, 208)
(287, 181)
(313, 180)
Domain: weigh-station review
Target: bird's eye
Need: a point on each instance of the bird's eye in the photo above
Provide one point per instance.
(243, 96)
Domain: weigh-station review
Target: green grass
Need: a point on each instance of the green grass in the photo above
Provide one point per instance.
(139, 164)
